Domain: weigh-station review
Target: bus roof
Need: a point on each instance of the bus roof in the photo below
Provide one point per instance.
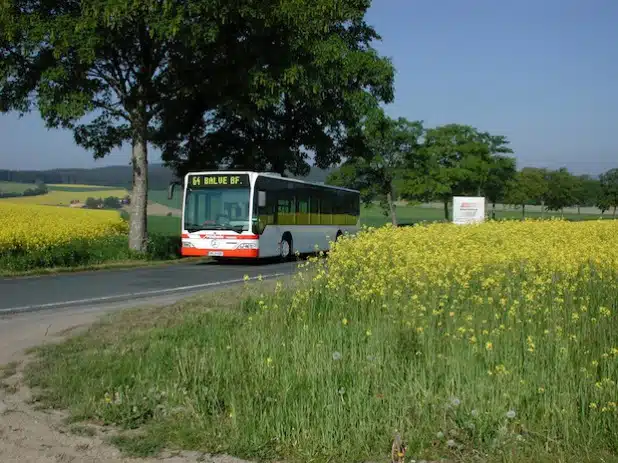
(271, 175)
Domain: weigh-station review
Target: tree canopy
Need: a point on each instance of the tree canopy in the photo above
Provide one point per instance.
(460, 159)
(527, 187)
(314, 75)
(561, 190)
(257, 83)
(609, 190)
(381, 150)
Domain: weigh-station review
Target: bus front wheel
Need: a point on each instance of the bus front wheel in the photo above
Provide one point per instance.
(286, 247)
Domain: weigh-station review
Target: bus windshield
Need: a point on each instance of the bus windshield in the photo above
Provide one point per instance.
(217, 209)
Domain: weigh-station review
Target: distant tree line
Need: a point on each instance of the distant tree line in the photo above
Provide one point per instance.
(112, 176)
(392, 159)
(39, 189)
(111, 202)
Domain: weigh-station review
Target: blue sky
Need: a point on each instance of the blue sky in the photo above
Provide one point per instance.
(542, 72)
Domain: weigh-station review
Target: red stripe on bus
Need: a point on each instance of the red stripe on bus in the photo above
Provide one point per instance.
(246, 253)
(205, 236)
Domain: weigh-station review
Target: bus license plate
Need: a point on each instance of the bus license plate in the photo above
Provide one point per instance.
(215, 253)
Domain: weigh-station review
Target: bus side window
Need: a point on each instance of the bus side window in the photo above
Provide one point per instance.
(314, 207)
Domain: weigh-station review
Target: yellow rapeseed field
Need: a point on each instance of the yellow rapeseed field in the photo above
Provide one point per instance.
(411, 260)
(515, 321)
(494, 342)
(30, 227)
(63, 198)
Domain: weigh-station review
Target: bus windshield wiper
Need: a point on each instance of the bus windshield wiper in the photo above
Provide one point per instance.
(192, 227)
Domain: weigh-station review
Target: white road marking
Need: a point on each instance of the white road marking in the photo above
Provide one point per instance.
(135, 295)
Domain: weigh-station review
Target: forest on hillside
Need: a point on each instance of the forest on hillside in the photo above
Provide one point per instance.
(159, 176)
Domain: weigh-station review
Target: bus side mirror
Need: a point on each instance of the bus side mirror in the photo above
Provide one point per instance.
(261, 199)
(170, 190)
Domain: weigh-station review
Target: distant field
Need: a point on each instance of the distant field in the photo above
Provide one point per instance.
(64, 198)
(163, 225)
(13, 187)
(160, 196)
(79, 188)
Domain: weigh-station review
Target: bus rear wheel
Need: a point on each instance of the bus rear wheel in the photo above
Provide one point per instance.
(285, 249)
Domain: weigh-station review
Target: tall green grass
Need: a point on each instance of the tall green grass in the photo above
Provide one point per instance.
(333, 380)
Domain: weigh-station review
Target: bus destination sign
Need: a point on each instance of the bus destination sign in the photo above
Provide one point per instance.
(218, 180)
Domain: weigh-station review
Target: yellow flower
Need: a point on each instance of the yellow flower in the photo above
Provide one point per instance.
(489, 346)
(27, 226)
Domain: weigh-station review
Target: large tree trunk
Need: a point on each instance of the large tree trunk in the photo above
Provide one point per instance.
(542, 209)
(138, 231)
(614, 215)
(493, 211)
(391, 208)
(446, 210)
(523, 212)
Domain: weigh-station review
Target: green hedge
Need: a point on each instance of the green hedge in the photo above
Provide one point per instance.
(87, 252)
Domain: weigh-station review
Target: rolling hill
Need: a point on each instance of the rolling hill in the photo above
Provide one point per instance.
(112, 176)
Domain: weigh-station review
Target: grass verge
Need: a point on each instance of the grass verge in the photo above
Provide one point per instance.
(328, 383)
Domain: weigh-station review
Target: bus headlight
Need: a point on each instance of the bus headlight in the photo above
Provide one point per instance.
(187, 244)
(247, 246)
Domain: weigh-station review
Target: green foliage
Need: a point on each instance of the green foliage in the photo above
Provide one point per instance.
(381, 151)
(587, 190)
(462, 161)
(609, 191)
(501, 171)
(111, 202)
(561, 190)
(526, 188)
(305, 79)
(88, 252)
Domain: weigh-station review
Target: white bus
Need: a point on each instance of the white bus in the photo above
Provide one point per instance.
(254, 215)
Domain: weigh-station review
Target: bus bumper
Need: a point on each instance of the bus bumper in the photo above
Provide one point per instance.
(231, 253)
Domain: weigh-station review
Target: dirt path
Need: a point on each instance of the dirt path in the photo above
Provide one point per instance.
(29, 435)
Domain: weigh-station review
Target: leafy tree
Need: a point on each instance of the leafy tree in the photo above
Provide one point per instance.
(315, 75)
(561, 190)
(179, 74)
(528, 187)
(112, 202)
(460, 159)
(385, 150)
(93, 203)
(587, 190)
(501, 171)
(609, 190)
(603, 204)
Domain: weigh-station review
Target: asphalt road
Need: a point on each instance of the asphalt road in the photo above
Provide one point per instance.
(26, 294)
